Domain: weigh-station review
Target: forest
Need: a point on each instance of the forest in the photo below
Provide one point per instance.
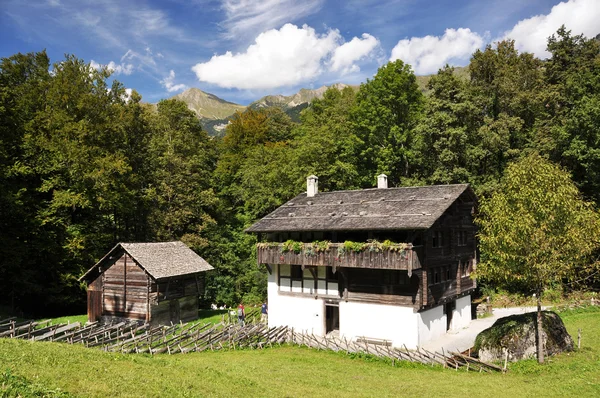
(84, 165)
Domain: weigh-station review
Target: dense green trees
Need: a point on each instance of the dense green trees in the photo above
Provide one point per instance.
(386, 112)
(536, 231)
(83, 165)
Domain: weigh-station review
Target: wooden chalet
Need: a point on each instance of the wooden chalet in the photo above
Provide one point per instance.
(157, 283)
(407, 292)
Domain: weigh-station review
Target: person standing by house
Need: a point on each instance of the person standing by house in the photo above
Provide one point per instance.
(264, 311)
(241, 314)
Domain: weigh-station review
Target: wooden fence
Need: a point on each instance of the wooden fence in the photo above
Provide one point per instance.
(134, 337)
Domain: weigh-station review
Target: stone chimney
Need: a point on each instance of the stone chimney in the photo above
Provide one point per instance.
(312, 186)
(382, 181)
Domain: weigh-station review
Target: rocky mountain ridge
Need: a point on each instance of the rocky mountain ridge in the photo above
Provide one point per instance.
(214, 112)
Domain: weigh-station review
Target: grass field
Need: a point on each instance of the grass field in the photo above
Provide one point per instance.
(290, 371)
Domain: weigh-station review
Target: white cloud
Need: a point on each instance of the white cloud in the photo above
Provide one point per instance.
(127, 96)
(285, 57)
(146, 59)
(428, 54)
(345, 55)
(168, 83)
(117, 69)
(114, 68)
(95, 65)
(246, 17)
(580, 16)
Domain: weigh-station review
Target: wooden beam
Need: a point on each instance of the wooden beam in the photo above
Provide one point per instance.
(269, 269)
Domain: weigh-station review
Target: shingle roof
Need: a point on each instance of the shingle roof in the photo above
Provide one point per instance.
(160, 260)
(367, 209)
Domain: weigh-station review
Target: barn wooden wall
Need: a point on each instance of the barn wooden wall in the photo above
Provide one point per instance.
(94, 300)
(125, 290)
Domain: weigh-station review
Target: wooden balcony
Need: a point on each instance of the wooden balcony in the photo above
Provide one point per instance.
(407, 259)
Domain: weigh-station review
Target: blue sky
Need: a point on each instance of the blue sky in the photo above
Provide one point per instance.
(241, 50)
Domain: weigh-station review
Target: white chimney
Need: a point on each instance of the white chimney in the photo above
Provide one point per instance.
(312, 186)
(382, 181)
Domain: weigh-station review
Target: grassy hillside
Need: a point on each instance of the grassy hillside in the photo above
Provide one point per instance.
(295, 372)
(208, 106)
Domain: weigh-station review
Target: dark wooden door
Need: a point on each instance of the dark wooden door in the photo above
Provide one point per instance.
(174, 311)
(94, 305)
(449, 308)
(332, 318)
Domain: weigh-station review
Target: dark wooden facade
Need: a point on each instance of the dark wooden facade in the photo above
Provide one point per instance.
(161, 286)
(124, 290)
(407, 259)
(434, 269)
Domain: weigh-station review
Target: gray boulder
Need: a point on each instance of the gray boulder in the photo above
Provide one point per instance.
(517, 335)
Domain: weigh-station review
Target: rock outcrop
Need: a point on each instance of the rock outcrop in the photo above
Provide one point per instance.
(516, 334)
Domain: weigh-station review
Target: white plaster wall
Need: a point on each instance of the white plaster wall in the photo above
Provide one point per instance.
(461, 316)
(431, 324)
(303, 314)
(390, 322)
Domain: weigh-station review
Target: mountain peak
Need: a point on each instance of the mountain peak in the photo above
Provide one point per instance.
(207, 105)
(304, 96)
(214, 112)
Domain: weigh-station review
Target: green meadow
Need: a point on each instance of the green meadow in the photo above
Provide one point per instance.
(54, 369)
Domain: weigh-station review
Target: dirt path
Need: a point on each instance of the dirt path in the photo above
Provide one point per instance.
(463, 339)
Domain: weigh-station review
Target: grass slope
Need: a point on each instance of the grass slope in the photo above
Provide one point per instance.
(296, 372)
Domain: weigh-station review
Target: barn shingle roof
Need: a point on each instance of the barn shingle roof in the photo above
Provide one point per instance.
(161, 260)
(366, 209)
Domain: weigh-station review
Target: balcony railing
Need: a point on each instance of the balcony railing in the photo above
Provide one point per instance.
(337, 255)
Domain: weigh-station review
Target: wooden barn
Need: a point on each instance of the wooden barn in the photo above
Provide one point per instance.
(382, 263)
(157, 283)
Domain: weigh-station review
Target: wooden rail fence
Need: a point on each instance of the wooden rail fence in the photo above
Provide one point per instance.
(133, 337)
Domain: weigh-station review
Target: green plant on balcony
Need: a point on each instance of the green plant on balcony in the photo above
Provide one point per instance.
(355, 247)
(318, 247)
(321, 246)
(292, 246)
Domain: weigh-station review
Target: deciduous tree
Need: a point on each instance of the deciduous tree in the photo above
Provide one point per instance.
(536, 231)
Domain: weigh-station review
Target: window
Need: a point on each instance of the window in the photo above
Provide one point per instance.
(462, 238)
(448, 273)
(330, 275)
(436, 276)
(284, 270)
(437, 239)
(296, 272)
(377, 281)
(465, 267)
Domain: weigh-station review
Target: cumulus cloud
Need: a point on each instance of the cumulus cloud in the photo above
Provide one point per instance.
(284, 57)
(345, 56)
(168, 83)
(428, 54)
(114, 68)
(580, 16)
(245, 17)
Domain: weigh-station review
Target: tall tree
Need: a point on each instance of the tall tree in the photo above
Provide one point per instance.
(184, 159)
(536, 231)
(570, 132)
(507, 88)
(387, 109)
(445, 135)
(326, 144)
(23, 81)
